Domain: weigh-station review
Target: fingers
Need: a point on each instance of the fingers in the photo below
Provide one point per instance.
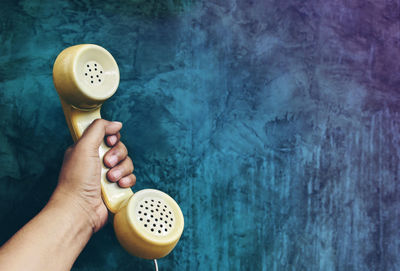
(122, 173)
(94, 134)
(123, 169)
(121, 166)
(115, 155)
(113, 139)
(127, 181)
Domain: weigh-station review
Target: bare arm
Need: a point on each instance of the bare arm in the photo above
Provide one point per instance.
(50, 241)
(53, 239)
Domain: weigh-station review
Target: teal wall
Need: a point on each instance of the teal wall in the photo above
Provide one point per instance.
(274, 124)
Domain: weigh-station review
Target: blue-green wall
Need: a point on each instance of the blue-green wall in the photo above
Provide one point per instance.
(274, 124)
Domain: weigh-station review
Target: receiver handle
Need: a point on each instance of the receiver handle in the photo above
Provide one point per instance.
(78, 120)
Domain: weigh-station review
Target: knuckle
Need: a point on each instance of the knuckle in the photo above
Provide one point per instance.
(132, 179)
(99, 122)
(124, 147)
(121, 149)
(130, 164)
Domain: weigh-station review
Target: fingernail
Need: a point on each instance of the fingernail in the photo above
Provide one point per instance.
(117, 122)
(113, 160)
(113, 140)
(116, 174)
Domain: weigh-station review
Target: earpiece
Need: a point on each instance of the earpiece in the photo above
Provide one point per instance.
(149, 223)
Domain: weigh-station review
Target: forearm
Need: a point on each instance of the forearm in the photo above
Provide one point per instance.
(52, 240)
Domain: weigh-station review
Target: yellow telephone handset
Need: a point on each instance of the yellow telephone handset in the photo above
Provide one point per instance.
(149, 223)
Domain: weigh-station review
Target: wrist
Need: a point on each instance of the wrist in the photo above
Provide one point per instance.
(72, 209)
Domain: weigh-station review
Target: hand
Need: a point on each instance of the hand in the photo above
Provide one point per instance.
(79, 180)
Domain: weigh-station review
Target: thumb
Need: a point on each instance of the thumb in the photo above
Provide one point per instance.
(97, 130)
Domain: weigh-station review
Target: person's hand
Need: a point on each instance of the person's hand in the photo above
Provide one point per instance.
(79, 180)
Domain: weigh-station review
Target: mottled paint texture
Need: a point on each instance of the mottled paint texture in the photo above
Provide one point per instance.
(274, 124)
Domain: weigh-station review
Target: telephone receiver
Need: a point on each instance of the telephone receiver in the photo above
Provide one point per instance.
(148, 223)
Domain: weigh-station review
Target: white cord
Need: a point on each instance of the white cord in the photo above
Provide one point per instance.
(155, 264)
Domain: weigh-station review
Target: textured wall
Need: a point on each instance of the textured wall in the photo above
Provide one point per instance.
(274, 124)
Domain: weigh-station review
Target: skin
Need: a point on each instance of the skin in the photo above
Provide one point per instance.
(54, 238)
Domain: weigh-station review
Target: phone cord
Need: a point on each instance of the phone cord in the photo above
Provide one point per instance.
(155, 264)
